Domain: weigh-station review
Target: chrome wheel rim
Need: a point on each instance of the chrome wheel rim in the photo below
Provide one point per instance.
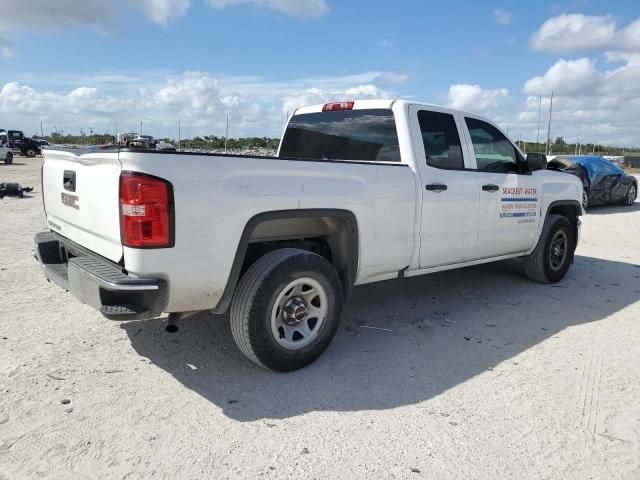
(299, 312)
(631, 195)
(558, 250)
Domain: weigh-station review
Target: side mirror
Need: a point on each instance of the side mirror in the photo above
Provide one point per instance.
(536, 161)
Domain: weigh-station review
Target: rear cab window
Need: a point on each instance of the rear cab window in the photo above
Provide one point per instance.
(440, 140)
(365, 135)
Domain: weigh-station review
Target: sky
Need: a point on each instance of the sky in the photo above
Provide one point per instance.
(95, 64)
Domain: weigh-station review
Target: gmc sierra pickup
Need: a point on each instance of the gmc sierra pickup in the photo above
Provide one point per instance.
(359, 192)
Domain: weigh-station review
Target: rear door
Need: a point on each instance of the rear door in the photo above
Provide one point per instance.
(509, 208)
(81, 199)
(449, 217)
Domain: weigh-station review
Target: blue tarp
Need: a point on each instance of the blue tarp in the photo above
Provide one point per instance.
(595, 165)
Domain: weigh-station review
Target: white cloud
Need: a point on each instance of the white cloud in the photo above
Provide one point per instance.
(6, 47)
(312, 96)
(475, 98)
(302, 9)
(502, 17)
(200, 100)
(566, 77)
(598, 105)
(571, 32)
(60, 15)
(162, 11)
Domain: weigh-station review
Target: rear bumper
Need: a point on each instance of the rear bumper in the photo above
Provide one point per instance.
(98, 282)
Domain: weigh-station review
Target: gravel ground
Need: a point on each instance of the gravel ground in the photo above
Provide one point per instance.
(478, 373)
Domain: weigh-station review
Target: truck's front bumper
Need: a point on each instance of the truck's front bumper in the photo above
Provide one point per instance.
(98, 282)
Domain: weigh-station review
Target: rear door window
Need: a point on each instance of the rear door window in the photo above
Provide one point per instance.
(441, 140)
(368, 135)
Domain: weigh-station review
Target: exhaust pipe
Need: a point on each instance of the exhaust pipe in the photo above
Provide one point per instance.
(172, 323)
(174, 318)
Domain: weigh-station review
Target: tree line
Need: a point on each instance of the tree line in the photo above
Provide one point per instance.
(209, 142)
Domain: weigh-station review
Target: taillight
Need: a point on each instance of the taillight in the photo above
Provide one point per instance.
(146, 211)
(332, 107)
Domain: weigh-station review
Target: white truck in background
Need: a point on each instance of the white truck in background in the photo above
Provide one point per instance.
(359, 192)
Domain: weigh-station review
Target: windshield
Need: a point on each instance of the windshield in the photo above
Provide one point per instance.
(368, 135)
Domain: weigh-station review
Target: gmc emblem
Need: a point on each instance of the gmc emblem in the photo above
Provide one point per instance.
(70, 200)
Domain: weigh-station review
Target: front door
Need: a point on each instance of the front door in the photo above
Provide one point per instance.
(510, 196)
(449, 188)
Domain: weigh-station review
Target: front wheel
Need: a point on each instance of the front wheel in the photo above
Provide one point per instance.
(286, 309)
(632, 193)
(585, 199)
(551, 259)
(9, 158)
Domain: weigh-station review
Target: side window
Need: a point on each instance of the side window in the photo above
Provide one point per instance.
(494, 153)
(441, 140)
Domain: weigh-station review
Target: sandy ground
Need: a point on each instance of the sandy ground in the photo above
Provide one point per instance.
(481, 374)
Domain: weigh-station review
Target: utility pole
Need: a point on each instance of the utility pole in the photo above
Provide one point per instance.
(549, 125)
(539, 109)
(141, 128)
(178, 134)
(226, 135)
(41, 131)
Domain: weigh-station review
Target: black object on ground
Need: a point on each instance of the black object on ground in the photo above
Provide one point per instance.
(9, 189)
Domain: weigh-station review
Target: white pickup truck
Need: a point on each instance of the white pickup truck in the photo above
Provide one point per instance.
(359, 192)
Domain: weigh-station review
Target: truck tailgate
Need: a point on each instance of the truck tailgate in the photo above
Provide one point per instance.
(81, 199)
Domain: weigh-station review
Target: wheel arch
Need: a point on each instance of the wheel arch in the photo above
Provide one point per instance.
(336, 227)
(571, 209)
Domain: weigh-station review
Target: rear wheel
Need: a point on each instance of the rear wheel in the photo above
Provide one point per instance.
(9, 158)
(286, 309)
(551, 259)
(632, 193)
(30, 153)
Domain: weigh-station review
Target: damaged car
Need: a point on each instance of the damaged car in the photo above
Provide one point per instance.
(602, 181)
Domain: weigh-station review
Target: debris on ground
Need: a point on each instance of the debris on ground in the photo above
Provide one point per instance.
(11, 189)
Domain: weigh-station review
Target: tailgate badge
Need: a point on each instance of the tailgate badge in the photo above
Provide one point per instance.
(70, 200)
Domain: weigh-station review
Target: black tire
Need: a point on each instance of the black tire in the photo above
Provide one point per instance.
(543, 265)
(9, 158)
(253, 308)
(631, 195)
(30, 153)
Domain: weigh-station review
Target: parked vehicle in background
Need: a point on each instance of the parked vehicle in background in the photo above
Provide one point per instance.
(13, 139)
(18, 143)
(30, 147)
(43, 142)
(360, 192)
(602, 181)
(165, 146)
(148, 139)
(6, 154)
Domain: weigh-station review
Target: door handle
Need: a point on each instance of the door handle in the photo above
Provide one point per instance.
(490, 187)
(435, 187)
(69, 180)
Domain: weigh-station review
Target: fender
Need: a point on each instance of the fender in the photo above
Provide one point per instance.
(559, 203)
(346, 215)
